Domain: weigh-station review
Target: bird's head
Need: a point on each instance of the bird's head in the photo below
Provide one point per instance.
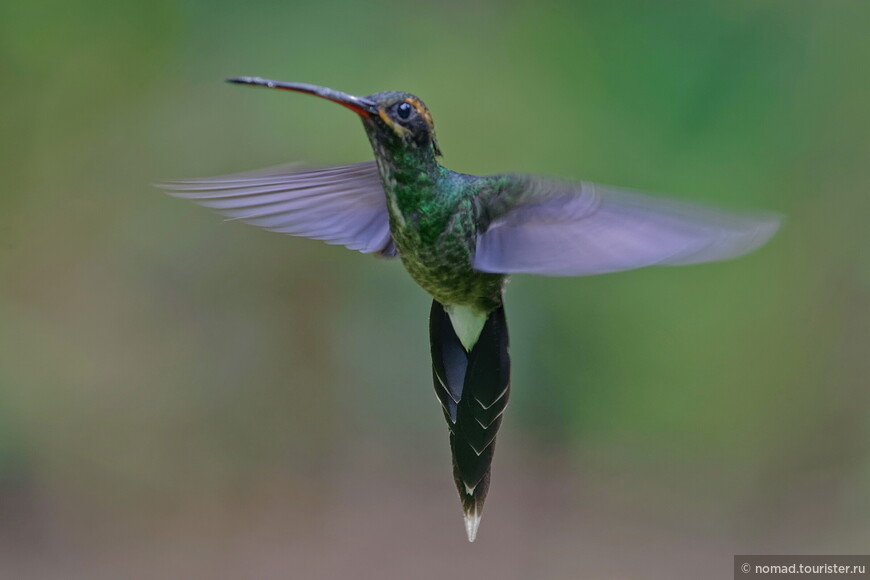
(393, 119)
(403, 117)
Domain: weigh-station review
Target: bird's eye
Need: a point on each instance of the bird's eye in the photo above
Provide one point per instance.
(403, 110)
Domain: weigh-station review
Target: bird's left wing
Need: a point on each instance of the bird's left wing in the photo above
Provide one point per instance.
(563, 228)
(340, 205)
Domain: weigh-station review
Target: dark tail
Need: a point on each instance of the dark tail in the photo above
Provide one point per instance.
(473, 387)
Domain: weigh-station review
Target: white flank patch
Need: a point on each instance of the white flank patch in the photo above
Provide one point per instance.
(467, 323)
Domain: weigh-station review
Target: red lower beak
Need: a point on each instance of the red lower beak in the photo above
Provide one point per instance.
(359, 105)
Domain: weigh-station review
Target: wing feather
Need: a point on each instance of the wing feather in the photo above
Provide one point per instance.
(343, 205)
(574, 229)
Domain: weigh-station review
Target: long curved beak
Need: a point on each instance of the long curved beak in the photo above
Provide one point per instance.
(359, 105)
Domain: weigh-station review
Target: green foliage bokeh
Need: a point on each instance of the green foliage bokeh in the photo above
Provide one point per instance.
(148, 350)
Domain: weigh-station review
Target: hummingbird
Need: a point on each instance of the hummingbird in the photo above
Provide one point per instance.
(460, 236)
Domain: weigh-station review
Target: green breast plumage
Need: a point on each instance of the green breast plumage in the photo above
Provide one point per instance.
(433, 224)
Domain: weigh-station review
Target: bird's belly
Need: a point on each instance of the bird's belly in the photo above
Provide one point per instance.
(443, 269)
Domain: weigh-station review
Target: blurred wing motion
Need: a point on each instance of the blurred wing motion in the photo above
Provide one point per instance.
(339, 205)
(573, 229)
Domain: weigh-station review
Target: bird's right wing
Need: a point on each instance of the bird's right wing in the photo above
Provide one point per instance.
(563, 228)
(340, 205)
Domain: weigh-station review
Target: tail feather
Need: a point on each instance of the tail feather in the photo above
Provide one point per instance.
(473, 387)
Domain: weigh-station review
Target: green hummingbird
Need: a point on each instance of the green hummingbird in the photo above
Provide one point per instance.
(460, 236)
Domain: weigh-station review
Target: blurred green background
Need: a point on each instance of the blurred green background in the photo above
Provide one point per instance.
(184, 398)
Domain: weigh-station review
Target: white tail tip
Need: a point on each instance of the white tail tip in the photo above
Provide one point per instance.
(472, 522)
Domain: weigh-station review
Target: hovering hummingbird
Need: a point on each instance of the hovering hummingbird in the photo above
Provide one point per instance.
(460, 236)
